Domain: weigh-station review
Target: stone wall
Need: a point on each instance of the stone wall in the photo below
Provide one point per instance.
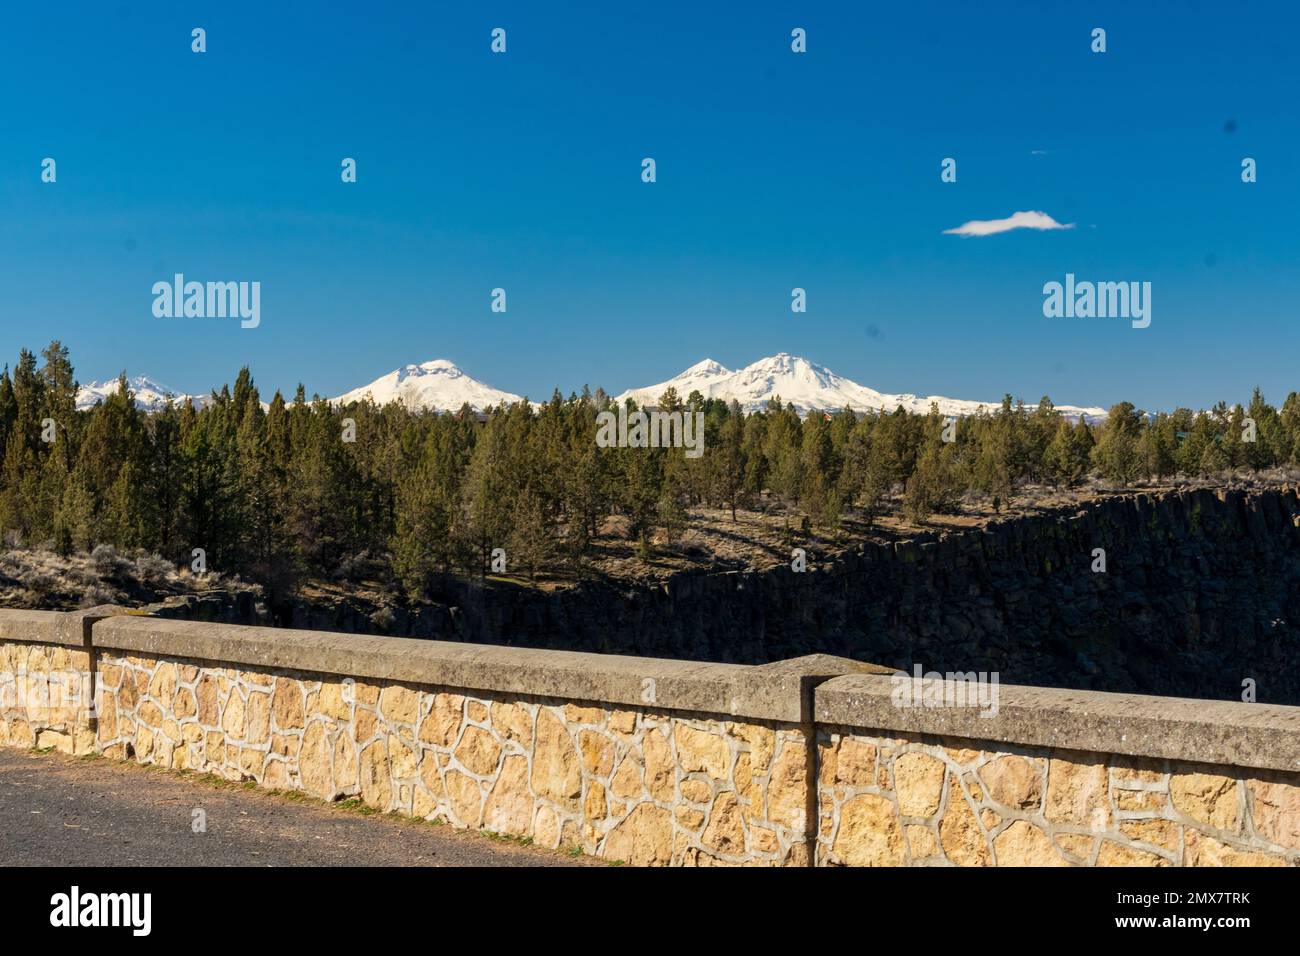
(646, 761)
(39, 675)
(658, 762)
(900, 801)
(1056, 778)
(636, 784)
(46, 681)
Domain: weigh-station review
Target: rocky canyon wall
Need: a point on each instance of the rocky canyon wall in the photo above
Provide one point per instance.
(1200, 597)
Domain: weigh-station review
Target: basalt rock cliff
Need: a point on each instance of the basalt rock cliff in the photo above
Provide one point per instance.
(1200, 597)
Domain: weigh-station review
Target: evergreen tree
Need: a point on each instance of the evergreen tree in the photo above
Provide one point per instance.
(23, 450)
(1155, 451)
(1116, 453)
(277, 493)
(932, 486)
(531, 542)
(489, 496)
(730, 462)
(1266, 451)
(425, 516)
(782, 442)
(1288, 451)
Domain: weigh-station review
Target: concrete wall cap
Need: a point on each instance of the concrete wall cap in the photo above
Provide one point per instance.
(776, 692)
(67, 628)
(1176, 728)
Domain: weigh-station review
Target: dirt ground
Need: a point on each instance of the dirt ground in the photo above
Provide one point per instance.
(57, 810)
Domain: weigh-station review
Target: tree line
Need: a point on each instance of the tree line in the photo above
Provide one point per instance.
(301, 489)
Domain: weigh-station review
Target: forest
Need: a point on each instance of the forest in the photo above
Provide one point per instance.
(296, 489)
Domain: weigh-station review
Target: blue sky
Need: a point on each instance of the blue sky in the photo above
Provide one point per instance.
(775, 170)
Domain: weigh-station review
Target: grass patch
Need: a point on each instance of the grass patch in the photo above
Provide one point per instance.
(506, 838)
(356, 805)
(297, 796)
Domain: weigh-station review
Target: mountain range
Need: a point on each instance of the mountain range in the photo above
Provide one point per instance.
(151, 396)
(440, 386)
(809, 387)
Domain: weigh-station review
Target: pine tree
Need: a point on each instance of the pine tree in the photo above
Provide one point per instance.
(1067, 456)
(585, 489)
(489, 495)
(893, 449)
(207, 492)
(782, 442)
(8, 409)
(1042, 429)
(730, 462)
(932, 487)
(1214, 456)
(23, 450)
(1002, 460)
(756, 464)
(427, 504)
(75, 519)
(164, 476)
(671, 515)
(1265, 451)
(640, 494)
(531, 542)
(1288, 451)
(1155, 453)
(1116, 453)
(817, 471)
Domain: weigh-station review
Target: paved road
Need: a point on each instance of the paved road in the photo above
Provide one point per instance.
(62, 811)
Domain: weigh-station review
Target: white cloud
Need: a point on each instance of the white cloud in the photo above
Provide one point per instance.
(1017, 220)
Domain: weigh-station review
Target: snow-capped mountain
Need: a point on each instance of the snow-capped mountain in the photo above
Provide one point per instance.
(150, 396)
(441, 386)
(808, 387)
(438, 385)
(699, 377)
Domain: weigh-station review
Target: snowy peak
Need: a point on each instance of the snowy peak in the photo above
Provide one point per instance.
(700, 377)
(706, 369)
(437, 385)
(435, 367)
(150, 396)
(805, 384)
(784, 368)
(808, 387)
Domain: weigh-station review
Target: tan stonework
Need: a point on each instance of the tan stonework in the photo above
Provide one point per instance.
(635, 785)
(45, 691)
(648, 785)
(1035, 807)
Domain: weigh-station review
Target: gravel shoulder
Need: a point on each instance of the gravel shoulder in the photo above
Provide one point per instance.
(57, 810)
